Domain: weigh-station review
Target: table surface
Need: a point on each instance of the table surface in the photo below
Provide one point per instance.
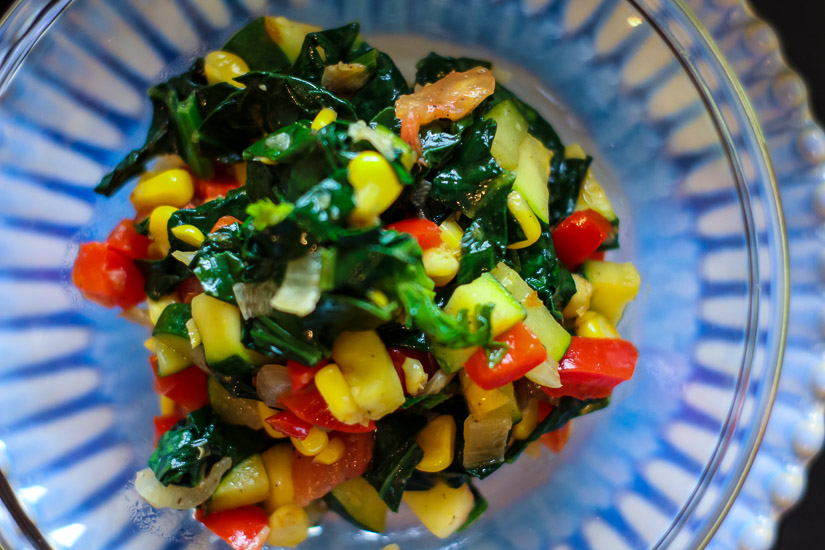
(799, 25)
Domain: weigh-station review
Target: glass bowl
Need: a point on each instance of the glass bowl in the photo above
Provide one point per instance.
(639, 83)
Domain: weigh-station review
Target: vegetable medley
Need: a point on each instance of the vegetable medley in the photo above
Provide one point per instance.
(362, 292)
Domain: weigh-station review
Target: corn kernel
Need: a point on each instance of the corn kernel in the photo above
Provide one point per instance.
(194, 333)
(376, 187)
(288, 526)
(315, 442)
(158, 222)
(415, 377)
(332, 453)
(189, 234)
(172, 187)
(437, 439)
(530, 226)
(440, 264)
(167, 406)
(529, 420)
(221, 66)
(156, 307)
(278, 465)
(580, 301)
(265, 412)
(149, 344)
(451, 234)
(324, 117)
(595, 325)
(378, 298)
(336, 392)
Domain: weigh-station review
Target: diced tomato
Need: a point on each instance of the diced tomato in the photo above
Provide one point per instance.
(301, 375)
(107, 277)
(579, 236)
(592, 367)
(164, 423)
(557, 439)
(187, 388)
(244, 528)
(309, 405)
(399, 355)
(311, 480)
(188, 289)
(224, 221)
(525, 353)
(288, 423)
(426, 232)
(126, 240)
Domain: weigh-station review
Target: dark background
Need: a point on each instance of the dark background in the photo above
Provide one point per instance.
(799, 24)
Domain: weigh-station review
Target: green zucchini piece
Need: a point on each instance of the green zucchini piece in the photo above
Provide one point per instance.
(358, 502)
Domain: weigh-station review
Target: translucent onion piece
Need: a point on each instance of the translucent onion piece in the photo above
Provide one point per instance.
(438, 382)
(273, 382)
(345, 78)
(175, 496)
(383, 143)
(301, 289)
(234, 410)
(139, 316)
(198, 357)
(485, 439)
(546, 374)
(184, 257)
(254, 299)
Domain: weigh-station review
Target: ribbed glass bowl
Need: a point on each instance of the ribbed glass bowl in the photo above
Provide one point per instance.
(638, 83)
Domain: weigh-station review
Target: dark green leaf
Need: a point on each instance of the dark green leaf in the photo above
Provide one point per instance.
(565, 180)
(162, 277)
(255, 46)
(395, 456)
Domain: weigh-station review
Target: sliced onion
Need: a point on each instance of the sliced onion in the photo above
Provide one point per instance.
(175, 496)
(345, 78)
(138, 316)
(438, 382)
(233, 410)
(485, 439)
(254, 298)
(383, 143)
(184, 257)
(272, 382)
(198, 357)
(546, 374)
(301, 288)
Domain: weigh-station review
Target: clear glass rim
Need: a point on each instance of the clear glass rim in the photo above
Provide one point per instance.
(25, 22)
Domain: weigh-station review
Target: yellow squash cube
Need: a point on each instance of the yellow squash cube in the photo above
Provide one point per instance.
(278, 464)
(437, 439)
(614, 286)
(441, 509)
(246, 483)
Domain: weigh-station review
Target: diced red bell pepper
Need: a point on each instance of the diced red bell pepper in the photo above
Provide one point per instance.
(309, 405)
(288, 423)
(597, 255)
(579, 236)
(557, 439)
(426, 232)
(525, 353)
(125, 239)
(244, 528)
(107, 277)
(164, 423)
(311, 479)
(188, 289)
(592, 367)
(301, 375)
(187, 388)
(218, 186)
(224, 221)
(399, 355)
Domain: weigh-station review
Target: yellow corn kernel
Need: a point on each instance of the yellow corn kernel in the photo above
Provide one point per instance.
(156, 307)
(172, 187)
(158, 221)
(529, 420)
(614, 286)
(265, 412)
(595, 325)
(530, 226)
(574, 151)
(167, 406)
(221, 66)
(324, 117)
(194, 333)
(149, 344)
(437, 439)
(332, 453)
(315, 442)
(378, 298)
(336, 392)
(440, 264)
(415, 377)
(580, 301)
(288, 526)
(451, 234)
(376, 187)
(278, 466)
(189, 234)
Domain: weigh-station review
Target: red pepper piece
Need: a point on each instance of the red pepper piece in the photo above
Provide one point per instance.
(592, 367)
(579, 236)
(525, 353)
(164, 423)
(288, 423)
(125, 239)
(399, 355)
(302, 376)
(187, 388)
(426, 232)
(244, 528)
(557, 439)
(309, 405)
(107, 277)
(224, 221)
(188, 289)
